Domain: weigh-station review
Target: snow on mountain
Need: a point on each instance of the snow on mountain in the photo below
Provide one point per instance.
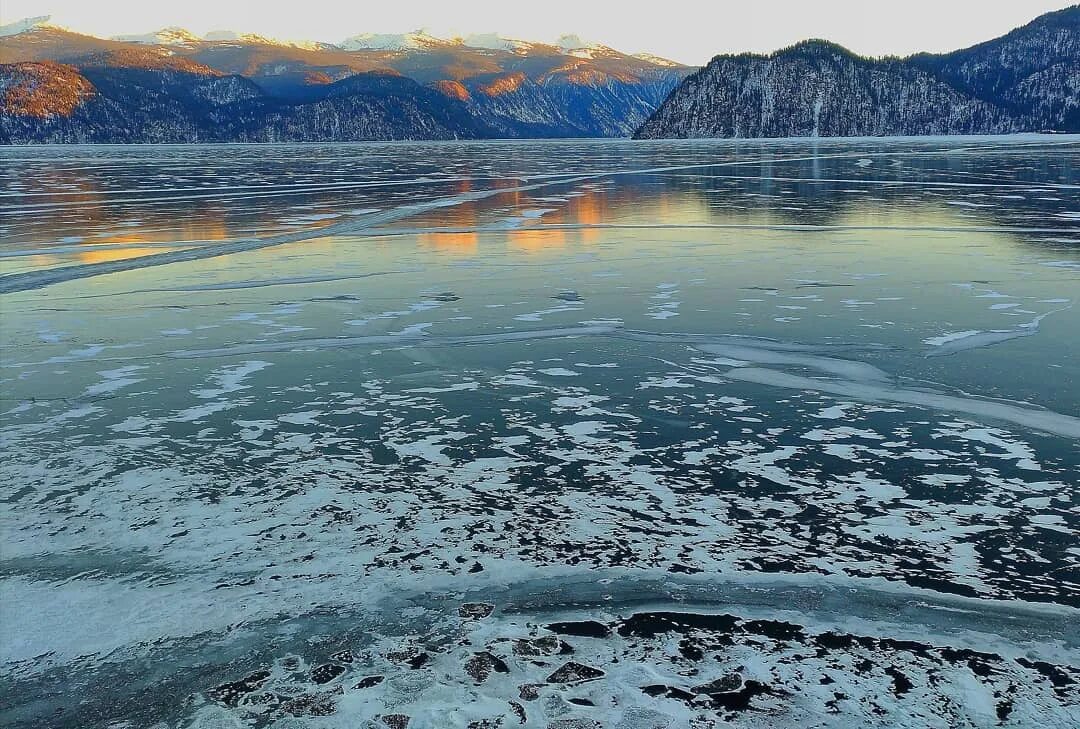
(573, 45)
(484, 85)
(417, 40)
(1024, 81)
(655, 60)
(495, 42)
(230, 35)
(226, 35)
(571, 42)
(22, 26)
(165, 37)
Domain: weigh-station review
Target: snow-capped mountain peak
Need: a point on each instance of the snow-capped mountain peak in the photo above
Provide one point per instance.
(172, 36)
(26, 24)
(495, 42)
(416, 40)
(571, 42)
(233, 36)
(655, 60)
(573, 45)
(228, 35)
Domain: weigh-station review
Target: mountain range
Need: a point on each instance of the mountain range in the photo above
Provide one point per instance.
(173, 86)
(1025, 81)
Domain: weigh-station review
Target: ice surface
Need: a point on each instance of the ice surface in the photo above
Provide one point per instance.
(589, 433)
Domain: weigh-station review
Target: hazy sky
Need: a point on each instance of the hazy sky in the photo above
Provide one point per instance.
(685, 30)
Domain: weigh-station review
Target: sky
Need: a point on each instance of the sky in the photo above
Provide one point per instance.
(690, 31)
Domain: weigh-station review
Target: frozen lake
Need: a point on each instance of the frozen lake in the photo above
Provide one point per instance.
(554, 434)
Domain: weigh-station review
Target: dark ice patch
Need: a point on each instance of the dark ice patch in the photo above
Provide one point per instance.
(327, 672)
(482, 664)
(574, 724)
(494, 723)
(574, 672)
(231, 693)
(649, 625)
(313, 704)
(740, 700)
(669, 692)
(724, 684)
(475, 610)
(529, 691)
(368, 682)
(581, 628)
(519, 712)
(901, 683)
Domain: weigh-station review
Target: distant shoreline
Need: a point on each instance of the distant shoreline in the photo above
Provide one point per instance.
(1071, 136)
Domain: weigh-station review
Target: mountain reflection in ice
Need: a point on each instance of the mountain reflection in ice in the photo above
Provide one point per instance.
(560, 434)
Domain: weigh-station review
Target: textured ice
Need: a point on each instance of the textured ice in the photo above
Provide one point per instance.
(377, 444)
(974, 339)
(1048, 421)
(833, 366)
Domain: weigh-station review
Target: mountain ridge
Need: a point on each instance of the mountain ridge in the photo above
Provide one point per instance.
(171, 85)
(514, 89)
(1027, 80)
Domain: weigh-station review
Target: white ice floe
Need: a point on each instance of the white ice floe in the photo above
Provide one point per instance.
(230, 379)
(850, 369)
(952, 343)
(1044, 420)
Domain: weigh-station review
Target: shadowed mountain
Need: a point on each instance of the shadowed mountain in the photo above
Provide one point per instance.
(1034, 71)
(108, 104)
(1028, 80)
(484, 86)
